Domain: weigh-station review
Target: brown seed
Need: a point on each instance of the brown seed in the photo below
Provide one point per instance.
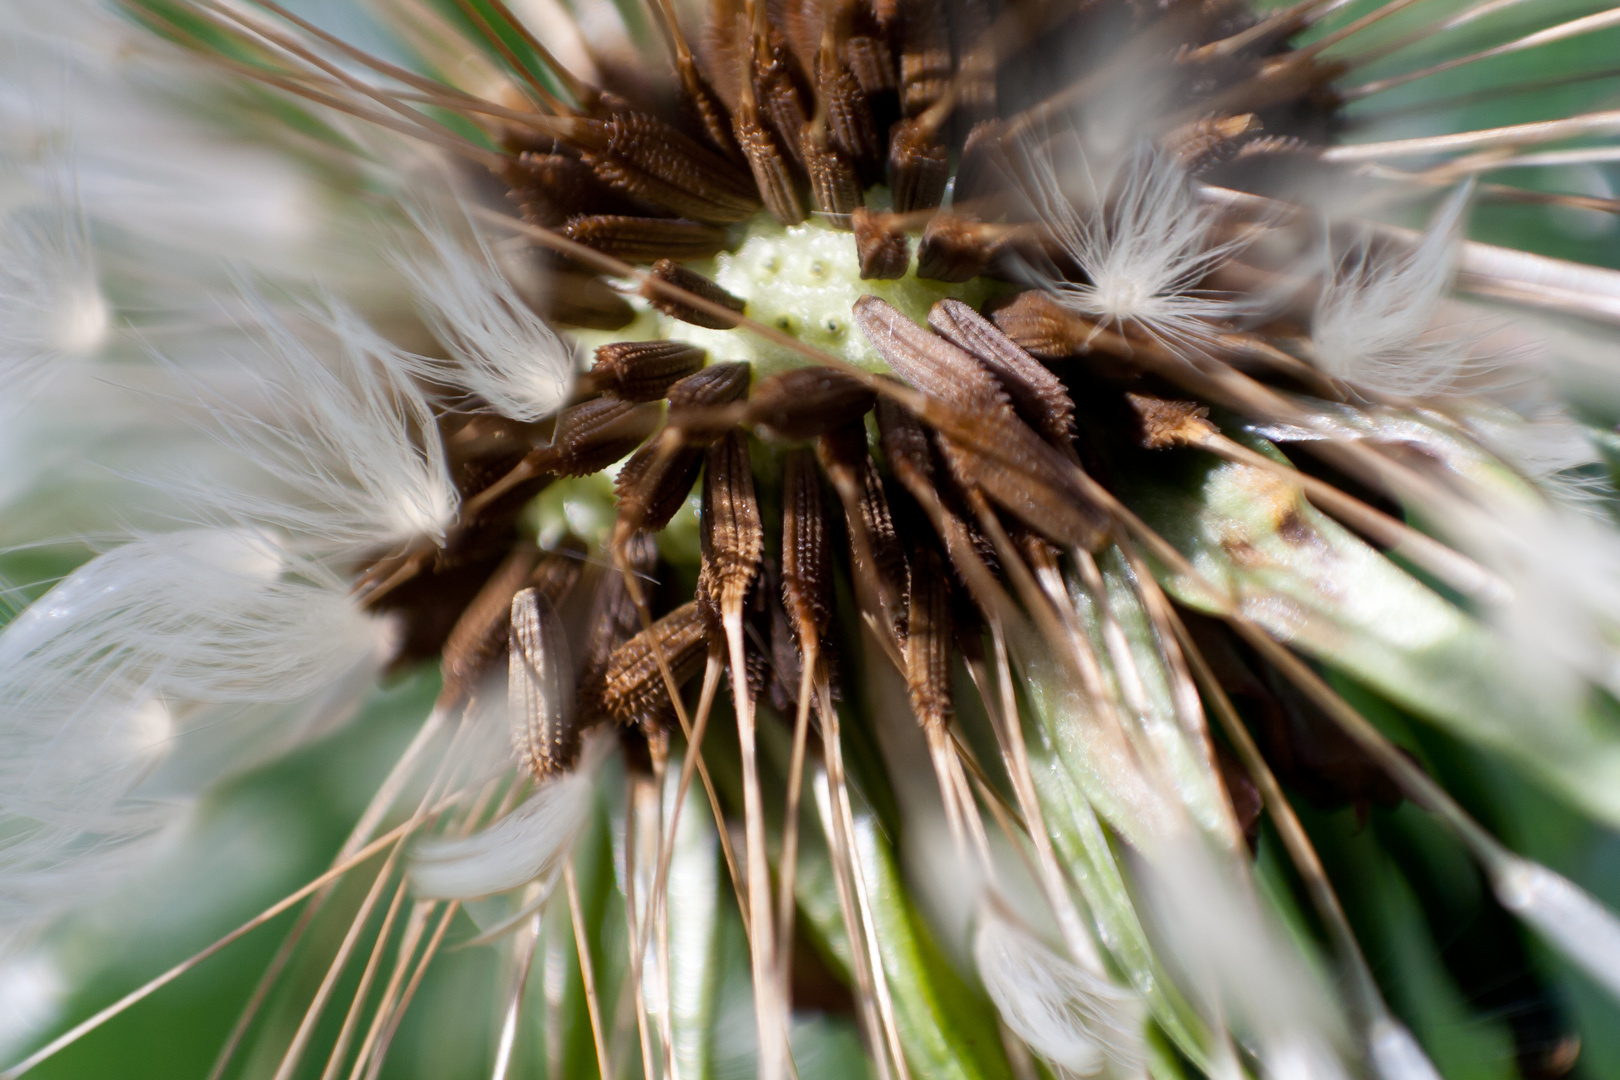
(576, 298)
(928, 641)
(693, 282)
(955, 248)
(480, 633)
(656, 480)
(594, 434)
(559, 570)
(919, 167)
(871, 62)
(1045, 328)
(985, 442)
(717, 384)
(613, 618)
(551, 188)
(702, 104)
(984, 170)
(486, 448)
(923, 36)
(807, 571)
(540, 688)
(880, 244)
(809, 401)
(927, 361)
(835, 187)
(772, 175)
(641, 239)
(643, 370)
(1168, 423)
(631, 689)
(851, 126)
(733, 535)
(910, 453)
(1037, 395)
(697, 404)
(874, 543)
(781, 102)
(649, 160)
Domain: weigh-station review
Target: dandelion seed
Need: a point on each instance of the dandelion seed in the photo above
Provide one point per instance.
(1020, 549)
(503, 352)
(1144, 246)
(1374, 321)
(1079, 1023)
(351, 439)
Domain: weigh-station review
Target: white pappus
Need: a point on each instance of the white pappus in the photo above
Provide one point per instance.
(1374, 323)
(350, 439)
(182, 651)
(1078, 1023)
(503, 352)
(1144, 241)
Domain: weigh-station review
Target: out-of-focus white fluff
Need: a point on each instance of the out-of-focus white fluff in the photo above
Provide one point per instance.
(1237, 962)
(113, 673)
(524, 845)
(1374, 321)
(1583, 930)
(1395, 1055)
(352, 439)
(503, 352)
(1079, 1023)
(1144, 245)
(51, 307)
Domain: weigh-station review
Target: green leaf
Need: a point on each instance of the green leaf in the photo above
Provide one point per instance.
(1314, 585)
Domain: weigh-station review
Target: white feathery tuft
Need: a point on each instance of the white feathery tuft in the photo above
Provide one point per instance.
(158, 652)
(51, 305)
(353, 441)
(524, 845)
(504, 353)
(1079, 1023)
(1374, 321)
(1145, 245)
(1585, 932)
(1395, 1055)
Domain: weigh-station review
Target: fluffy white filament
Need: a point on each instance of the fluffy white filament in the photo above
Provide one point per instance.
(1144, 246)
(1374, 321)
(1395, 1055)
(522, 846)
(51, 306)
(162, 642)
(352, 440)
(1078, 1023)
(1583, 930)
(503, 352)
